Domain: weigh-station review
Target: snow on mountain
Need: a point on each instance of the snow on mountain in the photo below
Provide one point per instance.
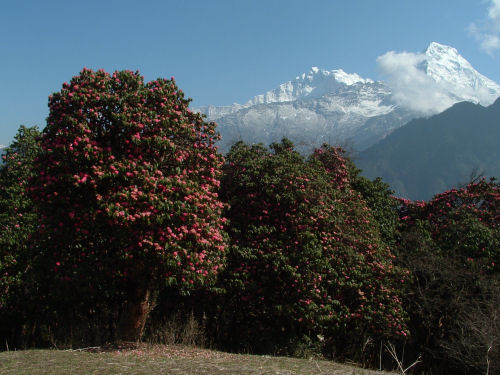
(343, 108)
(432, 81)
(444, 64)
(314, 84)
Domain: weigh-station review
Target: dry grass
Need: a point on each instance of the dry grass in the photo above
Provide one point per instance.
(160, 359)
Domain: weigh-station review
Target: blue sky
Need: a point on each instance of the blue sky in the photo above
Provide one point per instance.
(222, 51)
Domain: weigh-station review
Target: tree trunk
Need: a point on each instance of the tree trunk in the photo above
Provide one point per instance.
(140, 302)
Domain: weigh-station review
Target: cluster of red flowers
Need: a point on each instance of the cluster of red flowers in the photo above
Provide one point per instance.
(463, 222)
(129, 172)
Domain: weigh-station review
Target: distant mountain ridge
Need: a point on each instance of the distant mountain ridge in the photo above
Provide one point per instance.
(429, 156)
(343, 108)
(312, 85)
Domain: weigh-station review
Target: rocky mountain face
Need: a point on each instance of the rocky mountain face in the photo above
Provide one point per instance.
(345, 109)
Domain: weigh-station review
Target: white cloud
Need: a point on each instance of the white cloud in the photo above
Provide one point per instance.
(490, 43)
(488, 32)
(412, 88)
(494, 13)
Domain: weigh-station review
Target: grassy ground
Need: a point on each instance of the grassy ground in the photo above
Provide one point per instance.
(158, 360)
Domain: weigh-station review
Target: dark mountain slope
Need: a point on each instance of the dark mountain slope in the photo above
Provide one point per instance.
(428, 156)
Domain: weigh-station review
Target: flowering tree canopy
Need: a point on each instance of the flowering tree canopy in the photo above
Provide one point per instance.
(126, 185)
(305, 256)
(463, 223)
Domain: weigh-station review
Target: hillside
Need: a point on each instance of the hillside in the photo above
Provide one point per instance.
(163, 360)
(431, 155)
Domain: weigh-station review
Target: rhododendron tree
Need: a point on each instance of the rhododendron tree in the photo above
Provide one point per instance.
(126, 188)
(466, 222)
(305, 258)
(463, 223)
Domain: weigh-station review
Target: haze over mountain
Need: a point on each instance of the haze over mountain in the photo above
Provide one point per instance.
(429, 156)
(344, 108)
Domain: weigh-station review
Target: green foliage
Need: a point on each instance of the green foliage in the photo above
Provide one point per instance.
(379, 198)
(17, 222)
(305, 261)
(466, 222)
(16, 209)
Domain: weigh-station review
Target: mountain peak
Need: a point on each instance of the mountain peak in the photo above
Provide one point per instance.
(455, 74)
(442, 59)
(435, 48)
(313, 84)
(316, 75)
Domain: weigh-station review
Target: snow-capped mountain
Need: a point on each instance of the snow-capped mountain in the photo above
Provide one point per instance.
(343, 108)
(444, 65)
(312, 85)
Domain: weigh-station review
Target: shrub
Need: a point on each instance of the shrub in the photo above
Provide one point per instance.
(306, 263)
(451, 244)
(17, 222)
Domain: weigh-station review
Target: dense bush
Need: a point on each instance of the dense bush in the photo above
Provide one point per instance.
(306, 261)
(16, 211)
(17, 222)
(383, 206)
(126, 189)
(452, 246)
